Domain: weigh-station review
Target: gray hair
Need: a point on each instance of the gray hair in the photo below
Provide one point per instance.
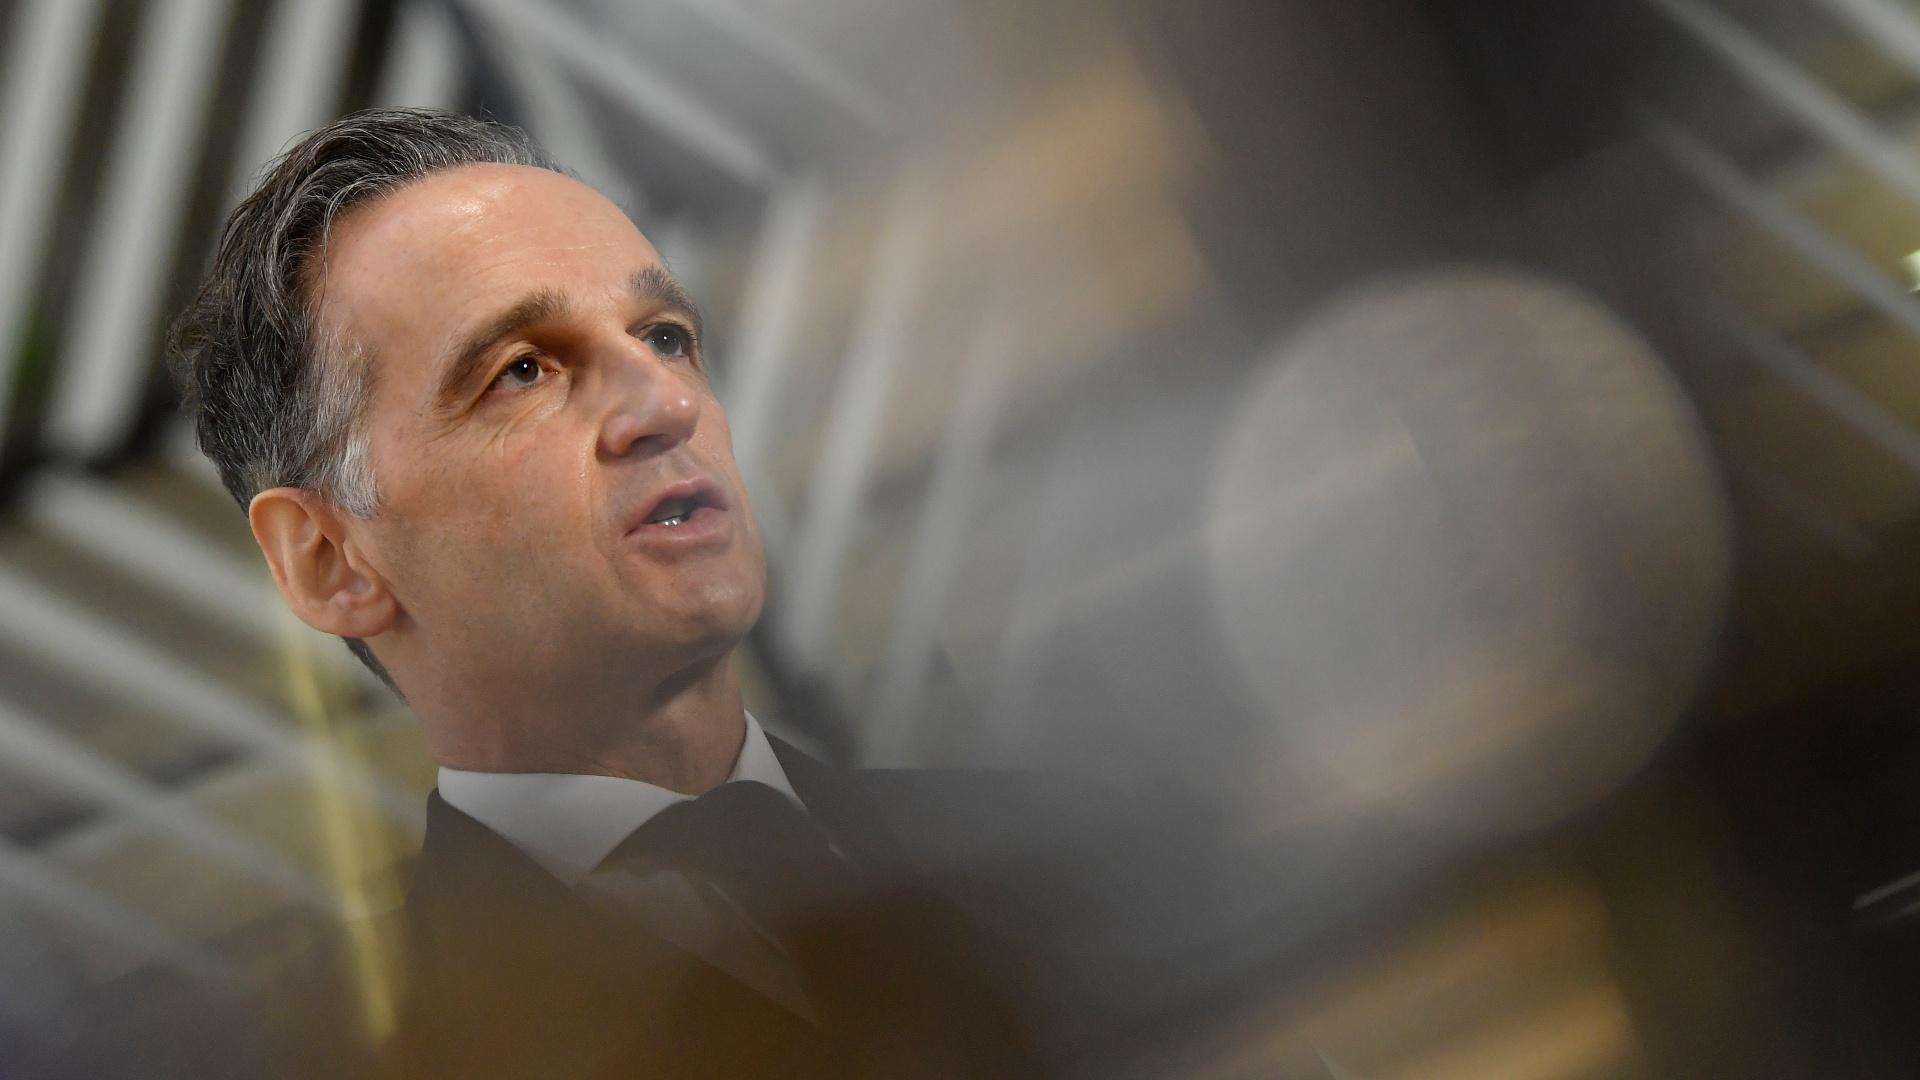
(275, 402)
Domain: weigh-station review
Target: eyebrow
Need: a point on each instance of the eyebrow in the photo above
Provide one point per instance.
(654, 287)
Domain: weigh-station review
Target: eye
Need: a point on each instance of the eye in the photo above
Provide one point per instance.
(520, 373)
(668, 340)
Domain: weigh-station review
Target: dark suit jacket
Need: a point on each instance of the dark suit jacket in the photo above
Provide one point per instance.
(512, 974)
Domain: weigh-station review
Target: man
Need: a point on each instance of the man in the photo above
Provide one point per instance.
(468, 412)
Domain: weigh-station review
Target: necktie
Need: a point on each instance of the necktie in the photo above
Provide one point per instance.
(766, 856)
(873, 957)
(687, 910)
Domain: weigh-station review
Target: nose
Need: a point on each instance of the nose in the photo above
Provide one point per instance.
(649, 408)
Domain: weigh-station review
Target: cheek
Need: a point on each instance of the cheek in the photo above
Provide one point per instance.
(497, 510)
(720, 433)
(714, 443)
(524, 463)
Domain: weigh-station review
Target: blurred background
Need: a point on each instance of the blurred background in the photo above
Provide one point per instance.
(1452, 467)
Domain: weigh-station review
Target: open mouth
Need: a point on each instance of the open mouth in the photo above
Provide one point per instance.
(674, 511)
(687, 501)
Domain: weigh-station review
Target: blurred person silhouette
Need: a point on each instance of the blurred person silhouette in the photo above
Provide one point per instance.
(467, 411)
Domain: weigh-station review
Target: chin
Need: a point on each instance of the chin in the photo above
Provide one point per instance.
(721, 612)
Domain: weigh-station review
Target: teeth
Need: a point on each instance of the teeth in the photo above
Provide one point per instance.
(674, 512)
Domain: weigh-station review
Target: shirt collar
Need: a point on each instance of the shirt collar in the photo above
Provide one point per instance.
(568, 823)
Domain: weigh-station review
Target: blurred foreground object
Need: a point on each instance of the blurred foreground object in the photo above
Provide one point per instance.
(1445, 568)
(1469, 547)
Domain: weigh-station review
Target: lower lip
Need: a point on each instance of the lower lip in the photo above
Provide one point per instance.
(707, 527)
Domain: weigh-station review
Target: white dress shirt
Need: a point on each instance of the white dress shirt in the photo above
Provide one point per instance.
(568, 823)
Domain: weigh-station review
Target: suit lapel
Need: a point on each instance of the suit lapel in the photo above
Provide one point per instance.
(845, 809)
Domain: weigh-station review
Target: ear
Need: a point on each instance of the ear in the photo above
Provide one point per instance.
(322, 577)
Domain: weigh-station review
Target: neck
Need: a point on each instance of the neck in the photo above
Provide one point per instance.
(682, 733)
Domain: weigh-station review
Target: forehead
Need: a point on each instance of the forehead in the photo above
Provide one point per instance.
(412, 269)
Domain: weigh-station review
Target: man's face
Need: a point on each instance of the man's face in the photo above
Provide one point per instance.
(558, 491)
